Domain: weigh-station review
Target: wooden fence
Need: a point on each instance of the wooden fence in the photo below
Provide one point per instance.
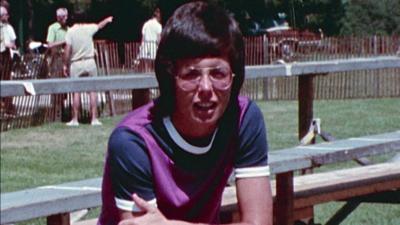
(122, 58)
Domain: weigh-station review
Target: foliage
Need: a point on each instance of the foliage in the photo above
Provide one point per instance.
(366, 17)
(31, 18)
(312, 14)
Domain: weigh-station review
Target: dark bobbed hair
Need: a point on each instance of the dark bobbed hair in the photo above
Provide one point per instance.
(196, 30)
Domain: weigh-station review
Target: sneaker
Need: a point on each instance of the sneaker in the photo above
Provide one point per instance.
(96, 122)
(72, 123)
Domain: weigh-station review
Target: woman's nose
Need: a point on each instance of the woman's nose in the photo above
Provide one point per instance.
(205, 82)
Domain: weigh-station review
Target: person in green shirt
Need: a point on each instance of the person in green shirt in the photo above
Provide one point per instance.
(56, 41)
(57, 30)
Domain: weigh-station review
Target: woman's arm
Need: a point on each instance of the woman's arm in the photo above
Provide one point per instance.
(254, 199)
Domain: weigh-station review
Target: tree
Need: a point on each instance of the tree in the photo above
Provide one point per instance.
(366, 17)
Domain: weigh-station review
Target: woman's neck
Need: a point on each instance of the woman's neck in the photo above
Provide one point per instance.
(198, 136)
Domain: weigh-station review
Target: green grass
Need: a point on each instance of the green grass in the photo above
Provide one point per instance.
(54, 153)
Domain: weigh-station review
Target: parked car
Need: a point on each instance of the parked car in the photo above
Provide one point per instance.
(289, 44)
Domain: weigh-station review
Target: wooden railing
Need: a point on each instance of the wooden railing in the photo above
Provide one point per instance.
(122, 58)
(46, 100)
(148, 80)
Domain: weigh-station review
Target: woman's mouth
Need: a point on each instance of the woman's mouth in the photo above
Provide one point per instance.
(205, 106)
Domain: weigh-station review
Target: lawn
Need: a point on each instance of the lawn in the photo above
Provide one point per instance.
(54, 153)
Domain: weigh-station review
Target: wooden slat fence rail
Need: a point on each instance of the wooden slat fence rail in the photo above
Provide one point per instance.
(145, 81)
(122, 58)
(50, 97)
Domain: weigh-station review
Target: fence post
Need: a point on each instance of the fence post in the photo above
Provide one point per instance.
(305, 98)
(266, 80)
(59, 219)
(284, 204)
(140, 97)
(306, 114)
(284, 182)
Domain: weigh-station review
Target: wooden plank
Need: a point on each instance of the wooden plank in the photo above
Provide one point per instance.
(285, 161)
(309, 189)
(318, 188)
(348, 149)
(284, 200)
(50, 200)
(318, 67)
(148, 80)
(343, 184)
(305, 114)
(83, 84)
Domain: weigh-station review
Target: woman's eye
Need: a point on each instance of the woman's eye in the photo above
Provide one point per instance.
(219, 74)
(191, 75)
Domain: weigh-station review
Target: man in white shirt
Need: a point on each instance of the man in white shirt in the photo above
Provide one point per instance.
(7, 32)
(151, 32)
(7, 43)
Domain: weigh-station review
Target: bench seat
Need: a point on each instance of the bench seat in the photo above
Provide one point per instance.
(335, 185)
(322, 187)
(57, 201)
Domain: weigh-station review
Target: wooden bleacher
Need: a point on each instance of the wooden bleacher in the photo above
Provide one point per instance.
(56, 202)
(337, 185)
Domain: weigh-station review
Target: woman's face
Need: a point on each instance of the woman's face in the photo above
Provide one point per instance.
(203, 89)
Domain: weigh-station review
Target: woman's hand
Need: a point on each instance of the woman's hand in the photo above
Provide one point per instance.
(151, 216)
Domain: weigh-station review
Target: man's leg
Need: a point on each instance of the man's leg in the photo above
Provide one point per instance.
(76, 101)
(93, 108)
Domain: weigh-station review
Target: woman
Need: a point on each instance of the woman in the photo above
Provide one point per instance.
(169, 161)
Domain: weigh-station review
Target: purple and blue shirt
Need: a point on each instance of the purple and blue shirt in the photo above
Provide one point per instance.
(148, 157)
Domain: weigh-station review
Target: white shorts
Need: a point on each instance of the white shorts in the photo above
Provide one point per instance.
(148, 50)
(83, 68)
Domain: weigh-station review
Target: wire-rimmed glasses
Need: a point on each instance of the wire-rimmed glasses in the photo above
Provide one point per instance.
(220, 77)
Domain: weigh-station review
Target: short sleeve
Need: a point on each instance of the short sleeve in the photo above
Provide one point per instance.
(252, 157)
(93, 28)
(130, 168)
(13, 37)
(68, 40)
(50, 35)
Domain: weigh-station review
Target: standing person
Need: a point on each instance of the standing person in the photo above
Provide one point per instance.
(151, 32)
(56, 31)
(7, 43)
(168, 162)
(79, 62)
(56, 39)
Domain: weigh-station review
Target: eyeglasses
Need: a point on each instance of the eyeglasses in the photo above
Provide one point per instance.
(221, 77)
